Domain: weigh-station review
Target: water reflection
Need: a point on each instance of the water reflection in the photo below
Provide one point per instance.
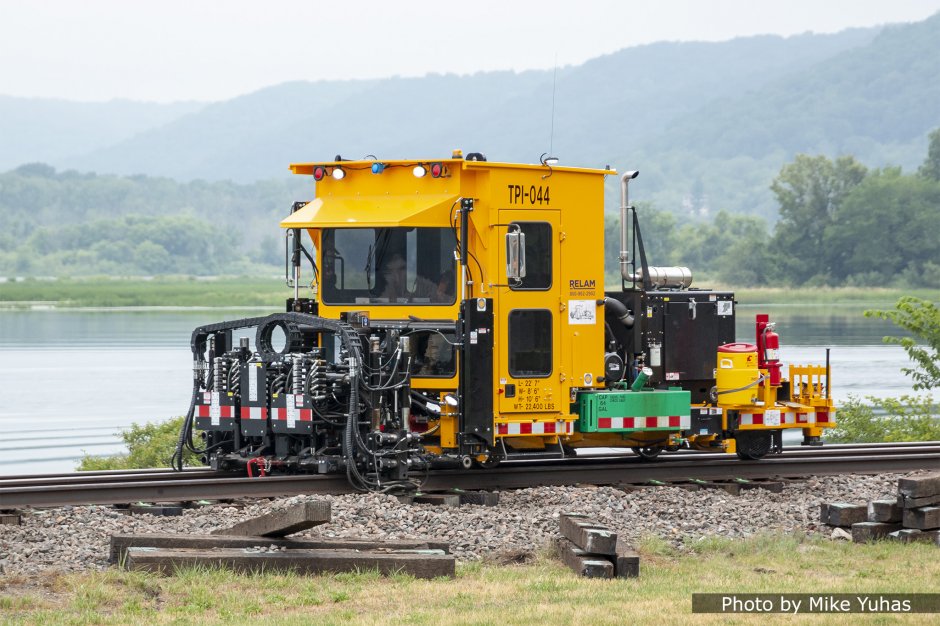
(62, 329)
(817, 325)
(71, 380)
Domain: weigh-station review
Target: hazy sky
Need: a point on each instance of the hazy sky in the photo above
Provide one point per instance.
(200, 50)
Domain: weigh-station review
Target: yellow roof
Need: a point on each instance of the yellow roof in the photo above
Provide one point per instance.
(373, 211)
(307, 168)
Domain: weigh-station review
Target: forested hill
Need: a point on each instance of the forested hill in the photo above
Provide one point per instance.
(55, 131)
(604, 109)
(876, 102)
(707, 124)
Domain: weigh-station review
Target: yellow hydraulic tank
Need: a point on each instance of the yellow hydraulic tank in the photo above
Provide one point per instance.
(737, 373)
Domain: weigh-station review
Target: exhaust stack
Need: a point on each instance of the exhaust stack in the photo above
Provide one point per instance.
(624, 235)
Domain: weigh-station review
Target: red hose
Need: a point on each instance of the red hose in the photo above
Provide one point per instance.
(259, 461)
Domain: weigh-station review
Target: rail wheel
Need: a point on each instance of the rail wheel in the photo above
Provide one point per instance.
(647, 453)
(754, 445)
(487, 460)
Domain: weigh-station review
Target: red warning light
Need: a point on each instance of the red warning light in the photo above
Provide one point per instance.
(436, 170)
(319, 172)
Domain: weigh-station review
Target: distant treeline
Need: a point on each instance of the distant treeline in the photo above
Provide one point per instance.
(72, 224)
(839, 224)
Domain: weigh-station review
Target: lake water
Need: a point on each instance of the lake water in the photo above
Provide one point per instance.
(70, 380)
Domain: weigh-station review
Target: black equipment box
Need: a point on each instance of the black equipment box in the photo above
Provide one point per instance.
(681, 334)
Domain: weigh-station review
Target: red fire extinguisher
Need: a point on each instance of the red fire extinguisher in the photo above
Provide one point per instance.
(768, 349)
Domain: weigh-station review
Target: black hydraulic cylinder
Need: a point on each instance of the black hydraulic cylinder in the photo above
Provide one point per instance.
(466, 205)
(476, 370)
(375, 364)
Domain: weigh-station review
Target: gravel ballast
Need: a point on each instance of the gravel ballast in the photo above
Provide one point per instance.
(77, 538)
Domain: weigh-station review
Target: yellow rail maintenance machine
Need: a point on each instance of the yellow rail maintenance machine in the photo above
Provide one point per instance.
(452, 312)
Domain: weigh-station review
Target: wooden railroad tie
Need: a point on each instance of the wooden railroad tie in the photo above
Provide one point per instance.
(284, 522)
(914, 516)
(259, 544)
(455, 497)
(594, 551)
(120, 543)
(421, 563)
(155, 509)
(843, 514)
(437, 499)
(733, 487)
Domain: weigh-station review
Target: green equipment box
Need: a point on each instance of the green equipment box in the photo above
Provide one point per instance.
(622, 411)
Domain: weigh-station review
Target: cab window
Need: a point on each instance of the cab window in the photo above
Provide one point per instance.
(538, 256)
(388, 266)
(530, 343)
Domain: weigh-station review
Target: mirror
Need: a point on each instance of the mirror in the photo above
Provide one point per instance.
(289, 275)
(515, 253)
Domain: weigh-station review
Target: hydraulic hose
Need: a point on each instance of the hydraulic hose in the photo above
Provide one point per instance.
(176, 461)
(759, 380)
(619, 310)
(351, 442)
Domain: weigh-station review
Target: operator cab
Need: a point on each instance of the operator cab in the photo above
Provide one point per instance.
(380, 266)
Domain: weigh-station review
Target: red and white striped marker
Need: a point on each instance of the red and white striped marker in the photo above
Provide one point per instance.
(637, 423)
(536, 428)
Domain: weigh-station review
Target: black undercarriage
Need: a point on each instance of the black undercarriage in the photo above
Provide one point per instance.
(335, 396)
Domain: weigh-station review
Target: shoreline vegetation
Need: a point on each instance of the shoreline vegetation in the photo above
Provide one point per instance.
(255, 291)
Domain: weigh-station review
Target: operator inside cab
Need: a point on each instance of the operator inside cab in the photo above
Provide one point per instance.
(388, 266)
(395, 266)
(391, 280)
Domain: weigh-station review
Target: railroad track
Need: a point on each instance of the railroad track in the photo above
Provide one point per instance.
(198, 484)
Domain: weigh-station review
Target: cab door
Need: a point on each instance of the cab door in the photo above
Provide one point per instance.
(528, 322)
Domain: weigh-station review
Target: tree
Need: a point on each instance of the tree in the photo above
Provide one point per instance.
(657, 229)
(734, 246)
(922, 319)
(885, 229)
(748, 260)
(931, 167)
(908, 418)
(810, 191)
(40, 170)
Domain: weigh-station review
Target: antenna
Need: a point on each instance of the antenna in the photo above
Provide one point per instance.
(548, 159)
(551, 138)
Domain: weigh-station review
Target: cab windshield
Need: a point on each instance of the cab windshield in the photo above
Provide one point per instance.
(388, 266)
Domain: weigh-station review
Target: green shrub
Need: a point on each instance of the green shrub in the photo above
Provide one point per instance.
(908, 418)
(149, 445)
(921, 318)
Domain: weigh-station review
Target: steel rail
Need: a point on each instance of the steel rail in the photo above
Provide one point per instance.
(895, 444)
(162, 486)
(634, 473)
(112, 476)
(791, 452)
(172, 490)
(127, 472)
(204, 472)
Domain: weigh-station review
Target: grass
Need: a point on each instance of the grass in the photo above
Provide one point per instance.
(135, 292)
(248, 291)
(861, 297)
(857, 297)
(544, 592)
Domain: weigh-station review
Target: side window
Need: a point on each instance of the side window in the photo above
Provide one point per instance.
(538, 256)
(530, 343)
(435, 356)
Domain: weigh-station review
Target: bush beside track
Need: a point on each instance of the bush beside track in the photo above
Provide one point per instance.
(149, 446)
